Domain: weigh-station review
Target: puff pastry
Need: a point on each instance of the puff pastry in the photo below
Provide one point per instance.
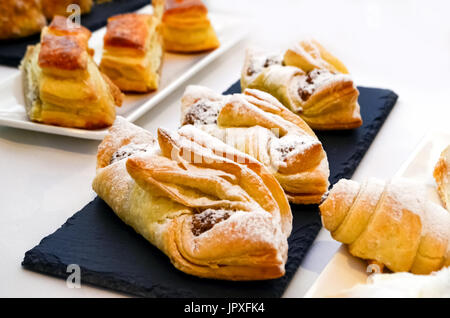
(392, 223)
(213, 217)
(309, 55)
(133, 52)
(20, 18)
(62, 84)
(186, 26)
(53, 8)
(323, 98)
(256, 123)
(442, 176)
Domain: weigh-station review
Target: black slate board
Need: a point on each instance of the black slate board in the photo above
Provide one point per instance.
(113, 256)
(12, 51)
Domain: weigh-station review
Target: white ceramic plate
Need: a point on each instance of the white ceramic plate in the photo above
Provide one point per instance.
(344, 270)
(177, 68)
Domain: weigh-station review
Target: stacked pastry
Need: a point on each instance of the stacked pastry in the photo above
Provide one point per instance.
(216, 212)
(256, 123)
(309, 81)
(62, 84)
(186, 26)
(133, 52)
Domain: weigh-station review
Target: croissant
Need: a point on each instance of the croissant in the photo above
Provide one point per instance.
(62, 84)
(392, 223)
(212, 216)
(256, 123)
(324, 99)
(186, 26)
(442, 176)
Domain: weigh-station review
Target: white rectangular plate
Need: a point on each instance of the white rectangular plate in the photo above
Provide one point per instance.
(176, 69)
(344, 270)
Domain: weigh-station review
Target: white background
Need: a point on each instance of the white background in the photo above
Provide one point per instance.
(401, 45)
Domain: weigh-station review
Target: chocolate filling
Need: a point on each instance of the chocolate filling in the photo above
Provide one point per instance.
(205, 221)
(304, 95)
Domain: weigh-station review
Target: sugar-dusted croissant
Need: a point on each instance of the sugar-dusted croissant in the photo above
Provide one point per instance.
(442, 176)
(186, 26)
(324, 99)
(309, 55)
(392, 223)
(62, 84)
(256, 123)
(213, 217)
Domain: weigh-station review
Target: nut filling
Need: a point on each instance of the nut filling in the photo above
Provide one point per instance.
(206, 220)
(202, 113)
(127, 151)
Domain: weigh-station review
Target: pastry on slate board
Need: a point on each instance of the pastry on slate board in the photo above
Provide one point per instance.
(20, 18)
(186, 26)
(256, 123)
(133, 52)
(324, 96)
(442, 176)
(212, 216)
(391, 223)
(62, 84)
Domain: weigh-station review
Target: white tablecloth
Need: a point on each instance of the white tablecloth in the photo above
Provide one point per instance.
(401, 45)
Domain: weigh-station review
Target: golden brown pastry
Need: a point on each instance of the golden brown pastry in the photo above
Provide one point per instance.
(212, 216)
(442, 176)
(132, 52)
(53, 8)
(323, 98)
(256, 123)
(186, 26)
(20, 18)
(311, 55)
(392, 223)
(62, 84)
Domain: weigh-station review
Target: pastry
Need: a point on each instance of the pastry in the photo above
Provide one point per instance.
(256, 123)
(62, 84)
(324, 99)
(442, 176)
(53, 8)
(213, 217)
(311, 55)
(186, 26)
(402, 285)
(132, 52)
(20, 18)
(392, 223)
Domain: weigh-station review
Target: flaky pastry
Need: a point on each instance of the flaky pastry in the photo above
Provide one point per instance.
(62, 84)
(324, 99)
(392, 223)
(256, 123)
(20, 18)
(212, 216)
(186, 26)
(133, 52)
(442, 176)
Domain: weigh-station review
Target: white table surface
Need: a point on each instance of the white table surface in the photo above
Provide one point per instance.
(401, 45)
